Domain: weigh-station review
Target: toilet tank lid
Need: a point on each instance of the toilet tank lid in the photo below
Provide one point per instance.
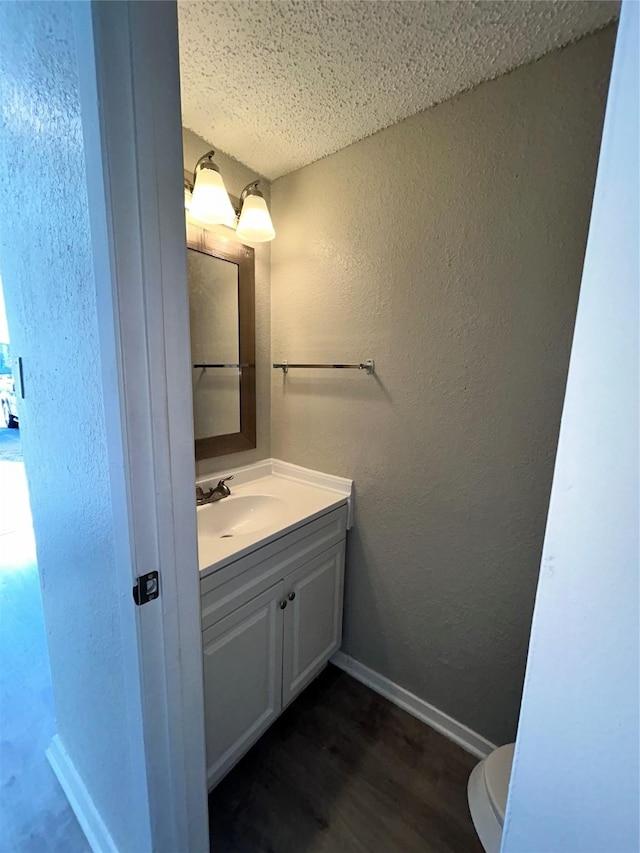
(497, 772)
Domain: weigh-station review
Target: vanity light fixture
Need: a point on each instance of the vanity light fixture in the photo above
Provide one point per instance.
(255, 223)
(211, 205)
(210, 202)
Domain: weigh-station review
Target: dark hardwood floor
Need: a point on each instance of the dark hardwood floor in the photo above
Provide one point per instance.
(344, 770)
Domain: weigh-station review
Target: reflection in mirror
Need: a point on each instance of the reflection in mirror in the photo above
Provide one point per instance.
(221, 307)
(215, 340)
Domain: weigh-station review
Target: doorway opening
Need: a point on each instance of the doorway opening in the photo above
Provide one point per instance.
(34, 812)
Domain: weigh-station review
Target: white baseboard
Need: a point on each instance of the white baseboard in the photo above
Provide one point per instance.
(88, 817)
(438, 720)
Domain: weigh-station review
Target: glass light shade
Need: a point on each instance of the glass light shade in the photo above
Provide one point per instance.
(255, 223)
(210, 201)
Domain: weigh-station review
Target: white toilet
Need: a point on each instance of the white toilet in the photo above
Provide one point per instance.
(487, 794)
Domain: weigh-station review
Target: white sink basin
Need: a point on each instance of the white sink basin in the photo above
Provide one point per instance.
(240, 515)
(257, 512)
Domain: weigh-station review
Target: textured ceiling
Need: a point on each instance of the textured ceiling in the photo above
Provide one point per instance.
(278, 85)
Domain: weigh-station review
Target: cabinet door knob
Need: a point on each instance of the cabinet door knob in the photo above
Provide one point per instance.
(291, 596)
(283, 604)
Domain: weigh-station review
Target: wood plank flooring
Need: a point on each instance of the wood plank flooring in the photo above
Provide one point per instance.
(345, 771)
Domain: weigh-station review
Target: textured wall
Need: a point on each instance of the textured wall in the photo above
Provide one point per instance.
(51, 305)
(577, 758)
(236, 177)
(449, 248)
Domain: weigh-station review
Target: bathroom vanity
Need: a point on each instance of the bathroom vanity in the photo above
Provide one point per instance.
(271, 580)
(271, 554)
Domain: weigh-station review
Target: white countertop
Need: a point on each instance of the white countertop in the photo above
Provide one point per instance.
(282, 504)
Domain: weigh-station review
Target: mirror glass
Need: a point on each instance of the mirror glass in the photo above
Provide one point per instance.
(221, 275)
(215, 341)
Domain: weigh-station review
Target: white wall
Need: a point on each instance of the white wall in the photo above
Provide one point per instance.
(47, 270)
(236, 176)
(575, 781)
(449, 248)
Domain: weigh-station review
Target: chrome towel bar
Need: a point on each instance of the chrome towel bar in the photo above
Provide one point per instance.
(368, 366)
(204, 366)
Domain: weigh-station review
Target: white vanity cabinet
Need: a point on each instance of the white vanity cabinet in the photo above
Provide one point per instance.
(312, 619)
(271, 621)
(242, 679)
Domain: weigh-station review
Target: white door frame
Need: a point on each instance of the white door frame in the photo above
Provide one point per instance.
(129, 86)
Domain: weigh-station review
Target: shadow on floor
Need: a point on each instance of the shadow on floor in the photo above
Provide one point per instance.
(35, 816)
(345, 771)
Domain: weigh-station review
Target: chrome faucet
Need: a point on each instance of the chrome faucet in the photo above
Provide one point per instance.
(221, 491)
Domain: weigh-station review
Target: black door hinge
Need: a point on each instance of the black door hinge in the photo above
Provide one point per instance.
(20, 378)
(147, 588)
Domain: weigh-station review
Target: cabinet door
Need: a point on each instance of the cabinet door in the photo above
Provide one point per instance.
(312, 619)
(242, 679)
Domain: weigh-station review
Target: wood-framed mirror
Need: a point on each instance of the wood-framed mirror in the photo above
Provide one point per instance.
(221, 278)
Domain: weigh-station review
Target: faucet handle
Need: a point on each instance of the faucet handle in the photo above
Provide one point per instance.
(223, 490)
(201, 497)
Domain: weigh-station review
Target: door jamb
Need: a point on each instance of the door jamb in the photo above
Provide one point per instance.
(130, 98)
